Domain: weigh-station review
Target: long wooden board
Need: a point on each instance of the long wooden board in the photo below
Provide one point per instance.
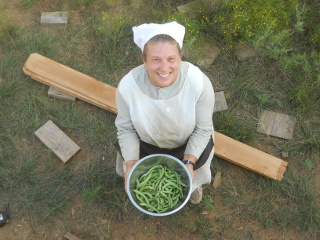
(70, 81)
(102, 95)
(249, 157)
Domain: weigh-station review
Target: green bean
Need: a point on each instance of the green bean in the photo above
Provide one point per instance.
(159, 189)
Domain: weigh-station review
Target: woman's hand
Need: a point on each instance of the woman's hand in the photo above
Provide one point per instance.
(129, 165)
(189, 165)
(190, 168)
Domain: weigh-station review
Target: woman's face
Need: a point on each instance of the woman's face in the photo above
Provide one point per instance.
(162, 63)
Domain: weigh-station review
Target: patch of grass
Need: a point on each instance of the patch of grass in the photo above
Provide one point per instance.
(308, 144)
(201, 226)
(234, 126)
(26, 4)
(92, 194)
(287, 204)
(303, 209)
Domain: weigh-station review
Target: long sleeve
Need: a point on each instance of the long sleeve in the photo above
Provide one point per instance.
(187, 105)
(204, 125)
(127, 135)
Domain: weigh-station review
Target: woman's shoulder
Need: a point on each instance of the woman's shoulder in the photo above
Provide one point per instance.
(132, 74)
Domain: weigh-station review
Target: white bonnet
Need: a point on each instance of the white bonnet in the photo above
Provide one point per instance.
(143, 33)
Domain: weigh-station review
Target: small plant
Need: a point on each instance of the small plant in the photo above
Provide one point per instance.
(272, 43)
(7, 27)
(233, 126)
(305, 70)
(240, 21)
(207, 202)
(92, 194)
(28, 3)
(312, 27)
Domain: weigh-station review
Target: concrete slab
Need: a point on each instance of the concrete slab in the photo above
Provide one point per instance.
(55, 93)
(220, 102)
(202, 54)
(57, 141)
(245, 51)
(49, 18)
(276, 124)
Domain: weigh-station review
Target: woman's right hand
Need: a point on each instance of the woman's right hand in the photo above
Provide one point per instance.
(129, 165)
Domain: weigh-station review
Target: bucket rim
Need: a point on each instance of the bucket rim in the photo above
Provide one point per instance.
(154, 213)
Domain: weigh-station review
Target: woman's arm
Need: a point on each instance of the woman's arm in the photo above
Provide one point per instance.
(204, 125)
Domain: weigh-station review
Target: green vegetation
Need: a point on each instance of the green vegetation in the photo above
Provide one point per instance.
(284, 76)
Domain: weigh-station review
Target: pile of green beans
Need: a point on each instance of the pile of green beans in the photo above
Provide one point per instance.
(159, 189)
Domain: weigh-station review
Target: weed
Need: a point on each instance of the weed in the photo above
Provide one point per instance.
(306, 71)
(308, 145)
(303, 197)
(28, 3)
(233, 126)
(92, 194)
(207, 202)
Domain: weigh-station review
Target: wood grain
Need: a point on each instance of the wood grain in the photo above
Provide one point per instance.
(70, 81)
(56, 140)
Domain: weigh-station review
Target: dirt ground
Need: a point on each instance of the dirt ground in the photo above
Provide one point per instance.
(124, 227)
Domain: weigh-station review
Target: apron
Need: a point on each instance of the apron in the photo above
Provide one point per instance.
(148, 149)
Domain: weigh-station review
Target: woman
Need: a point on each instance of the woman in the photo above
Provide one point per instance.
(165, 106)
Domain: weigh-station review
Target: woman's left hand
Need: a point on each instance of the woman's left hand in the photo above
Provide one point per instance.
(190, 167)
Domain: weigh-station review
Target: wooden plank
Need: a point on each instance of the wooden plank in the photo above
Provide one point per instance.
(71, 236)
(220, 103)
(70, 81)
(55, 93)
(100, 94)
(249, 157)
(49, 18)
(276, 124)
(55, 139)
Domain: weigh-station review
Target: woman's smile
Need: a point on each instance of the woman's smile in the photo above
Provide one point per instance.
(162, 63)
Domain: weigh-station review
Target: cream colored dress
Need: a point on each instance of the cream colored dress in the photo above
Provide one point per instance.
(166, 117)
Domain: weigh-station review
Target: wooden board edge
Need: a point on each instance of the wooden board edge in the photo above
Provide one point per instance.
(280, 165)
(70, 92)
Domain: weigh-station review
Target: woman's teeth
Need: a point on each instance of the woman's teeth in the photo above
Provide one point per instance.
(164, 75)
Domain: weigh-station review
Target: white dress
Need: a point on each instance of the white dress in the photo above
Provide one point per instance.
(166, 117)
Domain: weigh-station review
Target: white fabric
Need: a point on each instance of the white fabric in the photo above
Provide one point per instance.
(166, 123)
(143, 33)
(131, 99)
(203, 174)
(203, 129)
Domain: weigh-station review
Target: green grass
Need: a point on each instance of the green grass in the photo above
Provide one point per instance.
(40, 188)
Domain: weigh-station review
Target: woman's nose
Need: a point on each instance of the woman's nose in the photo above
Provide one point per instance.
(164, 66)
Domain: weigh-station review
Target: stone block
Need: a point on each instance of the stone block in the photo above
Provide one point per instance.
(57, 141)
(55, 93)
(276, 124)
(245, 51)
(220, 102)
(49, 18)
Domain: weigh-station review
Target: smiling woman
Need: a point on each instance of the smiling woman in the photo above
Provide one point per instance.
(154, 98)
(162, 62)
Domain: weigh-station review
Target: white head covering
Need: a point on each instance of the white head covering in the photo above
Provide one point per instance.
(143, 33)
